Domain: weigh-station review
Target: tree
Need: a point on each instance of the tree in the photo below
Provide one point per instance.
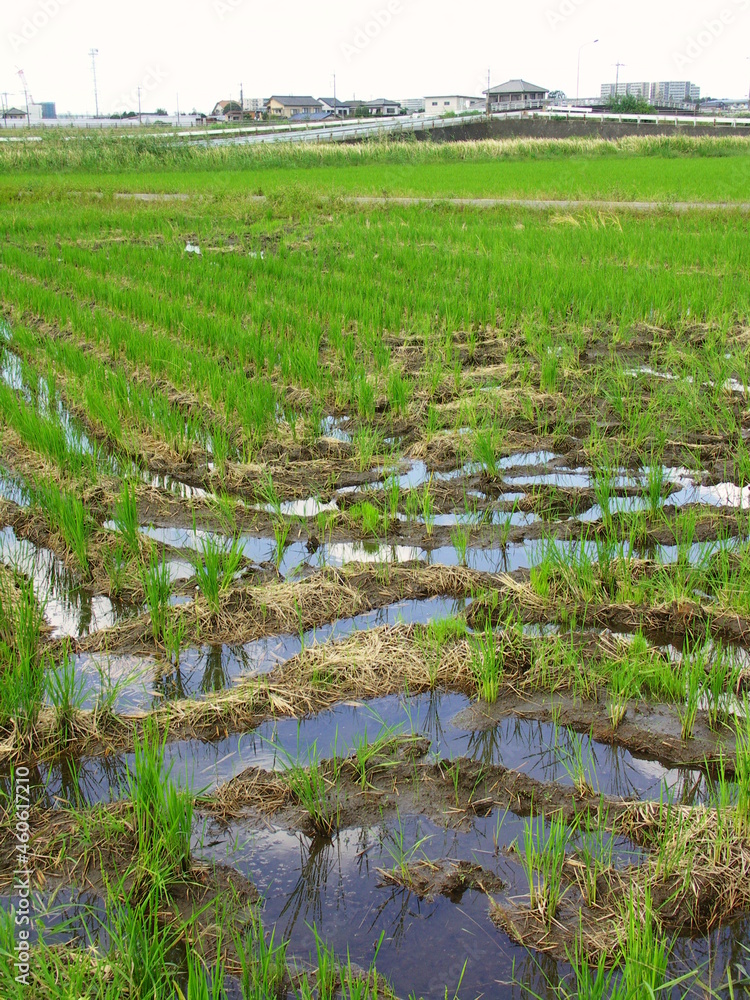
(161, 111)
(557, 95)
(629, 104)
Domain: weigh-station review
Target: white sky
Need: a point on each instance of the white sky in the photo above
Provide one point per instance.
(203, 49)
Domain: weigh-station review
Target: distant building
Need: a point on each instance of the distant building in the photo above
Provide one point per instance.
(334, 105)
(13, 114)
(664, 92)
(286, 106)
(675, 92)
(253, 104)
(413, 105)
(49, 110)
(642, 89)
(516, 95)
(453, 102)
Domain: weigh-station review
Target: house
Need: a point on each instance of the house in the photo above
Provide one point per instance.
(227, 108)
(334, 105)
(13, 114)
(453, 102)
(516, 94)
(285, 107)
(379, 107)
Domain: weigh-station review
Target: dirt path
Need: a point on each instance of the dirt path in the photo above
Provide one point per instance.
(538, 204)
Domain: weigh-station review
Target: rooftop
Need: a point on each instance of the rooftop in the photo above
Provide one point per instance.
(516, 87)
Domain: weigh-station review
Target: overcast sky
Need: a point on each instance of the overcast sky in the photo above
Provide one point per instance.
(203, 49)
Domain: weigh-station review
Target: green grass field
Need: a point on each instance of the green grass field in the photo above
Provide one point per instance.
(415, 535)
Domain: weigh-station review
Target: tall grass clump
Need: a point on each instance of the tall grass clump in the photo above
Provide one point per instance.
(22, 664)
(162, 813)
(157, 587)
(216, 567)
(66, 515)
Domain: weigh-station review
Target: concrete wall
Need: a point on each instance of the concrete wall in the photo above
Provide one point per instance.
(539, 128)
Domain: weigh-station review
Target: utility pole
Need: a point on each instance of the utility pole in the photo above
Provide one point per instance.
(178, 111)
(489, 98)
(335, 107)
(94, 53)
(140, 117)
(242, 99)
(5, 102)
(578, 76)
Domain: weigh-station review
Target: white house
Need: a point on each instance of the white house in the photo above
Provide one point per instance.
(516, 94)
(452, 102)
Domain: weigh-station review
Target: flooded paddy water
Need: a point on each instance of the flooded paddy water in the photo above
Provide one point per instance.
(421, 651)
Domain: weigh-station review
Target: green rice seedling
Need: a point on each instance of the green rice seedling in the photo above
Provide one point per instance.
(623, 687)
(326, 968)
(366, 751)
(202, 984)
(391, 489)
(593, 982)
(263, 974)
(142, 955)
(578, 764)
(595, 848)
(367, 444)
(109, 690)
(432, 639)
(216, 567)
(695, 669)
(126, 518)
(395, 845)
(162, 813)
(66, 693)
(486, 446)
(413, 504)
(309, 788)
(220, 447)
(225, 507)
(175, 629)
(398, 393)
(157, 587)
(22, 665)
(281, 529)
(428, 515)
(116, 564)
(644, 953)
(487, 664)
(549, 365)
(432, 424)
(366, 515)
(719, 687)
(460, 541)
(67, 514)
(269, 496)
(655, 483)
(543, 858)
(742, 767)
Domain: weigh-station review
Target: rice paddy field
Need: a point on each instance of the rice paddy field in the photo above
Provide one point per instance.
(374, 577)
